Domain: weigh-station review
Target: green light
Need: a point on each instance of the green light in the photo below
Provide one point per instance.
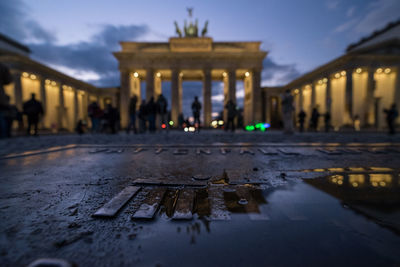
(171, 123)
(250, 128)
(259, 125)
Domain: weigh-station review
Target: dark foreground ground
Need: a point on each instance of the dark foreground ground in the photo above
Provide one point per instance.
(212, 199)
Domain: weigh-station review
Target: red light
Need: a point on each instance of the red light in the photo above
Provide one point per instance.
(163, 126)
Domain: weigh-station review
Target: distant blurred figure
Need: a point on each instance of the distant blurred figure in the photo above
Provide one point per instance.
(151, 114)
(391, 116)
(80, 127)
(12, 114)
(5, 78)
(314, 119)
(162, 110)
(132, 114)
(357, 123)
(95, 113)
(287, 111)
(327, 121)
(181, 120)
(111, 116)
(196, 108)
(302, 119)
(231, 109)
(33, 110)
(142, 116)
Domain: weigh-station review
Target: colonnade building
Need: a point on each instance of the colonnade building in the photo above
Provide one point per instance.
(358, 85)
(64, 99)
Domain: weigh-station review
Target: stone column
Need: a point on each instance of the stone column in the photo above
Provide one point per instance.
(256, 97)
(76, 107)
(397, 90)
(328, 96)
(313, 95)
(207, 106)
(61, 108)
(301, 98)
(349, 96)
(43, 99)
(175, 101)
(17, 89)
(157, 86)
(369, 105)
(124, 98)
(134, 87)
(149, 84)
(232, 85)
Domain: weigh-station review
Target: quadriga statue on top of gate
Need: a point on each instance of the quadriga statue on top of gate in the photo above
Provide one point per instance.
(191, 30)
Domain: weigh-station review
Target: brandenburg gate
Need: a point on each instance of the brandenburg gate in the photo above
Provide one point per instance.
(191, 58)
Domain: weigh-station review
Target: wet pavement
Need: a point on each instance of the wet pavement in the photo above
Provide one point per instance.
(230, 204)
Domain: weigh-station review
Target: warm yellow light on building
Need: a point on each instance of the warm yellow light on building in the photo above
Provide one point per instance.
(64, 86)
(53, 83)
(296, 91)
(135, 74)
(247, 74)
(380, 70)
(320, 82)
(47, 81)
(25, 74)
(33, 76)
(181, 74)
(325, 80)
(343, 73)
(387, 70)
(158, 75)
(337, 75)
(358, 70)
(224, 74)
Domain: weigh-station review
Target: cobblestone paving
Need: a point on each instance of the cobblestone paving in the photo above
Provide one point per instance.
(213, 199)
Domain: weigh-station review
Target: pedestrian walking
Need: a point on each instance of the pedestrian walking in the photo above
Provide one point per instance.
(111, 118)
(142, 117)
(314, 119)
(231, 109)
(132, 114)
(302, 119)
(5, 78)
(327, 121)
(33, 110)
(391, 116)
(95, 114)
(162, 110)
(196, 108)
(151, 114)
(287, 111)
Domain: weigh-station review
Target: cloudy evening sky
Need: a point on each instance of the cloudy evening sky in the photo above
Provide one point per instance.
(77, 37)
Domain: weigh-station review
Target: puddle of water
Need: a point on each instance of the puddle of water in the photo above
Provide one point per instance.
(328, 220)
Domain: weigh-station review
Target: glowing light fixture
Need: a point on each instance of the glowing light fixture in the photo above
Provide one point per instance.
(387, 70)
(53, 83)
(296, 91)
(224, 74)
(135, 74)
(25, 74)
(380, 70)
(358, 70)
(163, 126)
(186, 129)
(158, 74)
(47, 81)
(337, 75)
(220, 122)
(320, 82)
(247, 74)
(32, 76)
(343, 73)
(325, 80)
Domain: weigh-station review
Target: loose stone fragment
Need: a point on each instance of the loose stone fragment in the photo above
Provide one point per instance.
(150, 205)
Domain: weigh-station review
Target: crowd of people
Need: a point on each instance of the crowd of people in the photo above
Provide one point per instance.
(288, 109)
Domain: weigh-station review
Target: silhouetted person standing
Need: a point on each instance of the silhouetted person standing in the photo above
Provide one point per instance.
(162, 106)
(5, 78)
(287, 110)
(132, 114)
(111, 116)
(196, 108)
(302, 119)
(314, 119)
(33, 110)
(327, 121)
(95, 113)
(142, 117)
(151, 114)
(391, 116)
(231, 109)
